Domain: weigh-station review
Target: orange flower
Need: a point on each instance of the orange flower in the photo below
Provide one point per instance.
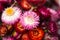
(36, 34)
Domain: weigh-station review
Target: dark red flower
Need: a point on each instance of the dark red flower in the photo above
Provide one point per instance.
(36, 2)
(24, 4)
(52, 27)
(19, 28)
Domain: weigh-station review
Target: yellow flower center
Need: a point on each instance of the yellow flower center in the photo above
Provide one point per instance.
(9, 11)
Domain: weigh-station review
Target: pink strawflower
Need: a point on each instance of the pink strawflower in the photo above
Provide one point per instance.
(29, 20)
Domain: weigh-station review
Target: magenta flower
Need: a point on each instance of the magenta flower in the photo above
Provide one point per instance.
(54, 15)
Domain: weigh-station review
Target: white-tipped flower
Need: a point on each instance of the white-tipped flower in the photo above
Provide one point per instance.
(10, 15)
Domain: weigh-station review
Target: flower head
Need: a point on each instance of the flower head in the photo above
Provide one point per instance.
(10, 15)
(29, 20)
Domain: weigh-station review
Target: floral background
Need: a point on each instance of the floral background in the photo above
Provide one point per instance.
(29, 19)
